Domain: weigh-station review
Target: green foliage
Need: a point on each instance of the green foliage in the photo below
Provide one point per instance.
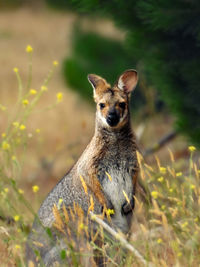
(164, 37)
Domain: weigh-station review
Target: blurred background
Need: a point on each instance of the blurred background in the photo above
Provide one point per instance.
(158, 38)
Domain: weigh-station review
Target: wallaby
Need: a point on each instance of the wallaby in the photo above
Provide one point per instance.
(107, 170)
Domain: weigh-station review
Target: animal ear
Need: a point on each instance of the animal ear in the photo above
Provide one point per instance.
(128, 81)
(98, 84)
(95, 80)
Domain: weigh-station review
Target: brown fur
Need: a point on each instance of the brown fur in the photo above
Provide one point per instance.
(112, 151)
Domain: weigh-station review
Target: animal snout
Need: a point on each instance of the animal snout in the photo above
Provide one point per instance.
(112, 118)
(128, 207)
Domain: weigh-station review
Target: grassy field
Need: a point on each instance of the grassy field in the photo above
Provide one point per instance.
(44, 131)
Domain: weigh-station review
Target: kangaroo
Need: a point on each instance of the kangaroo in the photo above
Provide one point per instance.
(105, 176)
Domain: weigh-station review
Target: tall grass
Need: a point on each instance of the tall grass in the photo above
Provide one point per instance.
(165, 232)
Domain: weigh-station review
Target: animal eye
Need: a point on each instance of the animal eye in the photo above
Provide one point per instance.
(102, 105)
(122, 105)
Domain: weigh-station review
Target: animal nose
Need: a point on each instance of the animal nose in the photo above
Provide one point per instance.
(128, 207)
(112, 118)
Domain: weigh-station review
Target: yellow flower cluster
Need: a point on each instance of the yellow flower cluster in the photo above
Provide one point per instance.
(192, 186)
(3, 108)
(22, 127)
(25, 102)
(16, 218)
(16, 124)
(184, 225)
(160, 179)
(55, 63)
(16, 70)
(3, 135)
(35, 188)
(154, 194)
(159, 240)
(44, 88)
(163, 170)
(29, 49)
(5, 146)
(13, 158)
(59, 97)
(110, 212)
(21, 191)
(32, 92)
(192, 148)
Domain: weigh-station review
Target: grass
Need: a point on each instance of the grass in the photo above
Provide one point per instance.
(166, 232)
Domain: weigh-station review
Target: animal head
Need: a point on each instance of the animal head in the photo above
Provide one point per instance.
(113, 102)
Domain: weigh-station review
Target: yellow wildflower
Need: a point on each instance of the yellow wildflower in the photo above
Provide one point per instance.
(3, 108)
(171, 190)
(163, 207)
(16, 124)
(59, 97)
(6, 189)
(192, 148)
(55, 63)
(178, 174)
(163, 170)
(25, 102)
(159, 240)
(60, 201)
(35, 188)
(13, 158)
(16, 70)
(179, 254)
(110, 212)
(154, 194)
(16, 218)
(33, 92)
(160, 179)
(21, 191)
(196, 219)
(22, 127)
(17, 246)
(37, 131)
(3, 135)
(184, 225)
(5, 146)
(29, 49)
(192, 186)
(82, 226)
(44, 88)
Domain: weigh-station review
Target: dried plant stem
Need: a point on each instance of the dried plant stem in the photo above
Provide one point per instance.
(122, 240)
